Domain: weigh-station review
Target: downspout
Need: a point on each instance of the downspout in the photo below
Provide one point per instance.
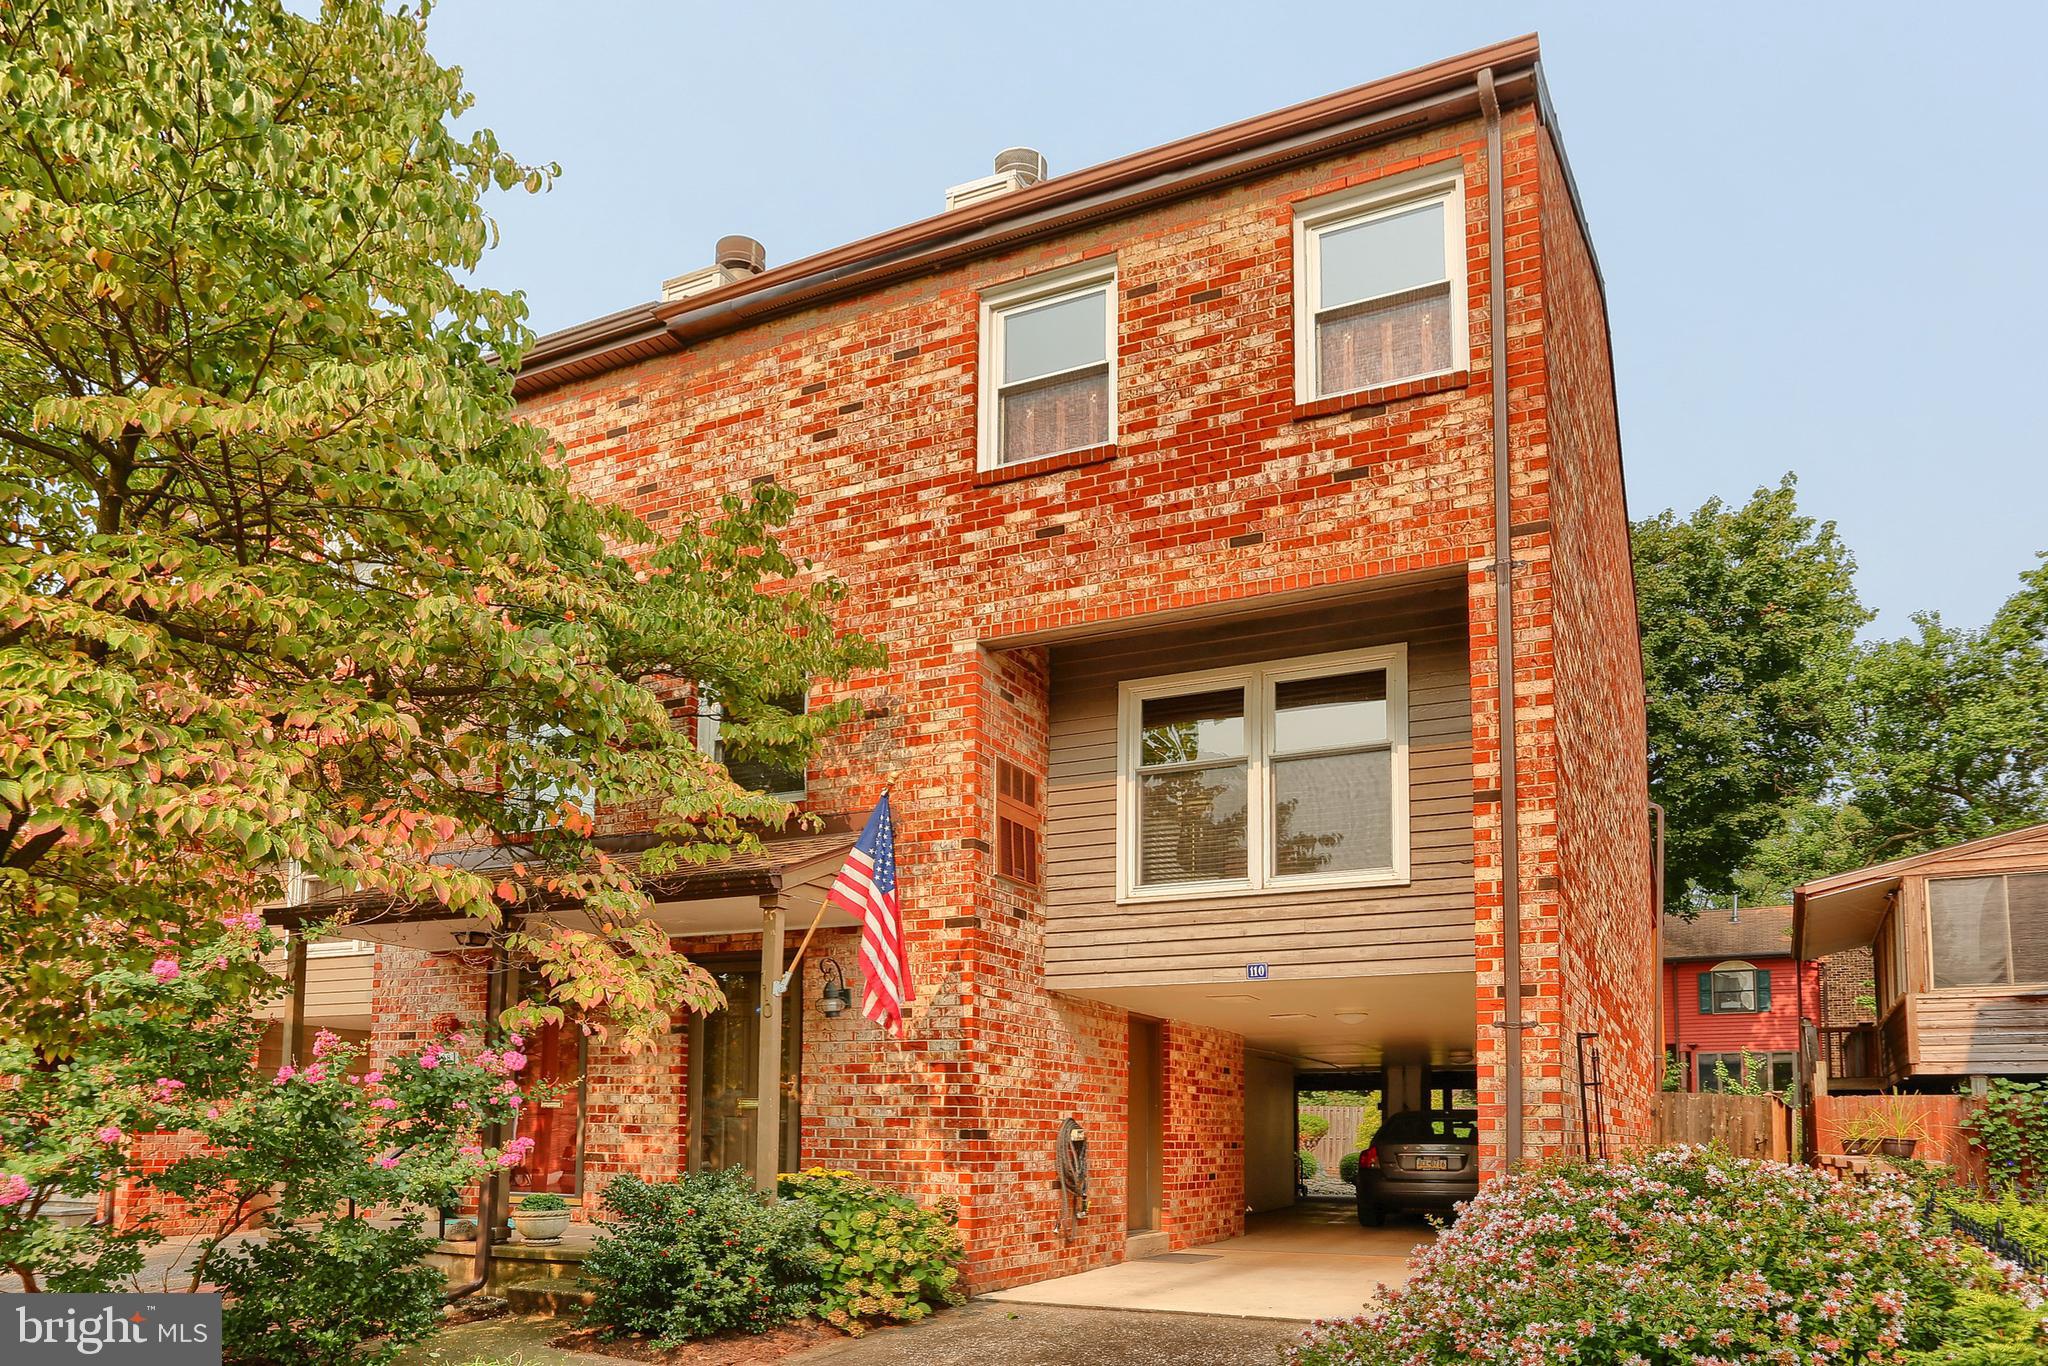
(1661, 975)
(494, 1137)
(1504, 633)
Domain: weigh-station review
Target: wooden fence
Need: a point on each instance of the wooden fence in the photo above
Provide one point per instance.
(1344, 1120)
(1748, 1126)
(1936, 1121)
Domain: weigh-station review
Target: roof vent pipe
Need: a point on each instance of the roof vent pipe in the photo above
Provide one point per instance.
(1017, 168)
(741, 255)
(1026, 164)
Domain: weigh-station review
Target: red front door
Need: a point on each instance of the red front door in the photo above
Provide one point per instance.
(553, 1055)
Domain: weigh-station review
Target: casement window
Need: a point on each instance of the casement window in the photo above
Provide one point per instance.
(774, 777)
(1048, 366)
(1722, 1071)
(1379, 285)
(1019, 827)
(1735, 988)
(1272, 776)
(1989, 931)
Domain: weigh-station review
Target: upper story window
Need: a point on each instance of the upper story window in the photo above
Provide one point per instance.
(1379, 287)
(1290, 774)
(537, 795)
(774, 777)
(1735, 988)
(1989, 931)
(1048, 366)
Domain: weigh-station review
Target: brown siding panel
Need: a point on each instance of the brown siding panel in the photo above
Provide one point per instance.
(1424, 926)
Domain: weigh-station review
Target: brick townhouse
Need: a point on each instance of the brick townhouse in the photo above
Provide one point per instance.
(1182, 491)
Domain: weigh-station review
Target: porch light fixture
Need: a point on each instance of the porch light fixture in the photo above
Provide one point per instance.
(835, 999)
(473, 939)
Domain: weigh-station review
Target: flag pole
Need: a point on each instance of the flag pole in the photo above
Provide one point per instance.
(782, 983)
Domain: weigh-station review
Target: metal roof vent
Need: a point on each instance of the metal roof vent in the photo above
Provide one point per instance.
(734, 258)
(1017, 168)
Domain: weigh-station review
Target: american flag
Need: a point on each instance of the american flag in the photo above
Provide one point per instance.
(866, 890)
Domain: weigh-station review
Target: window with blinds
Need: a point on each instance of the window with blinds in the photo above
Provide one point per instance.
(1019, 826)
(1989, 931)
(1291, 773)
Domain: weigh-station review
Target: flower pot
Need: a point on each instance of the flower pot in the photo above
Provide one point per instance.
(1897, 1147)
(1859, 1147)
(541, 1226)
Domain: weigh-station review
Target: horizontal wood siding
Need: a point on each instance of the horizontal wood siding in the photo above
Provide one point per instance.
(1425, 926)
(1980, 1033)
(336, 986)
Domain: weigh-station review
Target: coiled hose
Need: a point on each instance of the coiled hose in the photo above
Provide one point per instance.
(1071, 1161)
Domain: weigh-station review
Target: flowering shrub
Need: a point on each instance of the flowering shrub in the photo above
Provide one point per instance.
(703, 1255)
(886, 1258)
(1685, 1255)
(169, 1050)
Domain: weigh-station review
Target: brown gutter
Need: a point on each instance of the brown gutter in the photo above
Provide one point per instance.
(1504, 631)
(1400, 103)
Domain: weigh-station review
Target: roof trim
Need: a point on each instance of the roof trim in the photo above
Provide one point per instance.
(1425, 95)
(1879, 872)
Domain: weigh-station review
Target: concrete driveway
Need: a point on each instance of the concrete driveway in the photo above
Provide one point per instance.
(1309, 1262)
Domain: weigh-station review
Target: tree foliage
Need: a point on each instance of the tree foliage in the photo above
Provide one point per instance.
(282, 575)
(1749, 617)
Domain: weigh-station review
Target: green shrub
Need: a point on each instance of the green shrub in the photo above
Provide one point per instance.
(1305, 1164)
(2011, 1127)
(703, 1255)
(1309, 1128)
(1987, 1329)
(1683, 1255)
(544, 1203)
(2026, 1224)
(886, 1258)
(1347, 1168)
(316, 1296)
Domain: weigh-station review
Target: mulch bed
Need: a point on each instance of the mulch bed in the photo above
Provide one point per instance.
(472, 1308)
(726, 1349)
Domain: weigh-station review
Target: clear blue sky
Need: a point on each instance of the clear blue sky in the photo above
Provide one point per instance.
(1823, 227)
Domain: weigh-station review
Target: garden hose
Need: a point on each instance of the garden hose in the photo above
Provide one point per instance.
(1071, 1161)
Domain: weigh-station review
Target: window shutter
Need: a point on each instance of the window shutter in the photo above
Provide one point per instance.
(1763, 989)
(1019, 828)
(1706, 982)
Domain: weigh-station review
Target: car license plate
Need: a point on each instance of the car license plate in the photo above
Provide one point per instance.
(1432, 1164)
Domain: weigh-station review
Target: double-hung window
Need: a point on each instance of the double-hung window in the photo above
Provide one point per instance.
(772, 775)
(1379, 288)
(1048, 366)
(1270, 776)
(1735, 988)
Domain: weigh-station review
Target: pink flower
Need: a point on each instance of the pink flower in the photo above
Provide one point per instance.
(325, 1042)
(387, 1162)
(213, 1112)
(110, 1133)
(383, 1103)
(242, 920)
(514, 1060)
(164, 1090)
(372, 1077)
(430, 1060)
(516, 1040)
(13, 1189)
(284, 1074)
(164, 969)
(315, 1073)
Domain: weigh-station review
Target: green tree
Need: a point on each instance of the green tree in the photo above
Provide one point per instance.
(1952, 729)
(282, 575)
(1749, 616)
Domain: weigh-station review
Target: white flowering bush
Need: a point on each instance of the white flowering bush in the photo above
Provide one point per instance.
(1687, 1255)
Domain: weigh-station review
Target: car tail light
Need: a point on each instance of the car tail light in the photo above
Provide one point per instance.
(1369, 1158)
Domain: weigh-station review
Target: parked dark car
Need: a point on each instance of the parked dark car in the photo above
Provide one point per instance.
(1423, 1160)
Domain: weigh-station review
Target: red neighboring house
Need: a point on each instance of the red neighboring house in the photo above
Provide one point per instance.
(1732, 992)
(1182, 491)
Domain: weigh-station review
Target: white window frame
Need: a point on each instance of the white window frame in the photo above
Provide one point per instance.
(709, 715)
(1349, 208)
(1051, 287)
(1259, 682)
(339, 948)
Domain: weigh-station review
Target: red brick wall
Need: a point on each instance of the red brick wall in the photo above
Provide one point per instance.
(1202, 1174)
(1605, 920)
(1843, 978)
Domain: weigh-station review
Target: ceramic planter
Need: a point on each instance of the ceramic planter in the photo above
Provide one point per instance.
(1897, 1147)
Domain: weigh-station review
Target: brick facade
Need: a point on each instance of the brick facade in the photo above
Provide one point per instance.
(1220, 491)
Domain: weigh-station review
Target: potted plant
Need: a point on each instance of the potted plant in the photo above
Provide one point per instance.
(1891, 1126)
(541, 1218)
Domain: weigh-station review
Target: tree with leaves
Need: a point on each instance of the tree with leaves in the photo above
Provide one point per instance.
(1749, 619)
(282, 575)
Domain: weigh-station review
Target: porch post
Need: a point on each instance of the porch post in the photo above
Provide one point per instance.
(295, 1003)
(768, 1105)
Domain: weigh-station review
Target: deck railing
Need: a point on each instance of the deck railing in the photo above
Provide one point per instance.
(1856, 1051)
